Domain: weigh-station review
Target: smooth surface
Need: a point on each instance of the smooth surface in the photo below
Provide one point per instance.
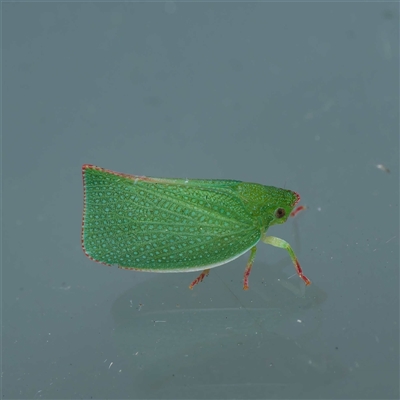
(298, 95)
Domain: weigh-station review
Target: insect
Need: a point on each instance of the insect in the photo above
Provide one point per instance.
(179, 225)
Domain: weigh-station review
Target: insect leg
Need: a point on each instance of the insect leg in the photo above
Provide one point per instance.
(274, 241)
(248, 267)
(199, 278)
(297, 210)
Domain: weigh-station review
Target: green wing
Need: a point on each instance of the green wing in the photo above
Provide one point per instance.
(163, 225)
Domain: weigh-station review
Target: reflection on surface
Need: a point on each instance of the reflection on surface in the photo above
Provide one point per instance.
(212, 342)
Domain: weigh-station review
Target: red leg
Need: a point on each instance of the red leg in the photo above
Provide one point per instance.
(297, 210)
(199, 278)
(248, 268)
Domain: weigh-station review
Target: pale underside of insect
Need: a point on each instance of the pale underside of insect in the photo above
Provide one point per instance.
(179, 225)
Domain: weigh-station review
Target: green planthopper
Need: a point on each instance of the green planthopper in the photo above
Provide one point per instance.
(179, 225)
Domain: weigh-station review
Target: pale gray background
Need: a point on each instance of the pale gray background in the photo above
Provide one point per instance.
(303, 96)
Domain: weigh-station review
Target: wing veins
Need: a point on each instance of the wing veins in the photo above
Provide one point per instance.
(170, 252)
(197, 206)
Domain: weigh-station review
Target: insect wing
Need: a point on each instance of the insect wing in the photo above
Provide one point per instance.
(163, 225)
